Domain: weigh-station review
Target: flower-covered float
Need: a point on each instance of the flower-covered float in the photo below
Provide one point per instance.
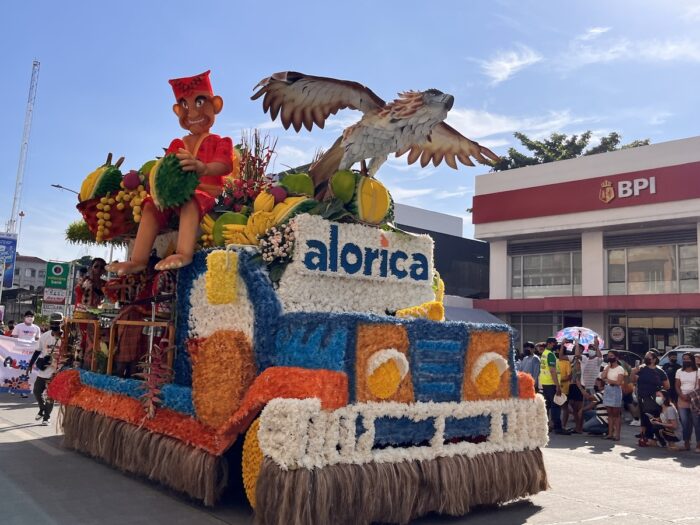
(310, 334)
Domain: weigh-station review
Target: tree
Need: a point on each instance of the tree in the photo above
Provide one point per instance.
(560, 147)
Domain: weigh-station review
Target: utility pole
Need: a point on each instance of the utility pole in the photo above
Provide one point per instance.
(24, 147)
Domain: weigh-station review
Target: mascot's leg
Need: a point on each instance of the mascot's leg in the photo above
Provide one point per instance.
(186, 238)
(145, 237)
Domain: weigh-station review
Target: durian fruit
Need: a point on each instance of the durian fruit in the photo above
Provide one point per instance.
(170, 186)
(372, 201)
(104, 180)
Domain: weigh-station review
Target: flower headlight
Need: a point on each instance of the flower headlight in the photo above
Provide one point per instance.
(486, 372)
(385, 371)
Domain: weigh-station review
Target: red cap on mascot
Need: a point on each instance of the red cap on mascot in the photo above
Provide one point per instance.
(184, 87)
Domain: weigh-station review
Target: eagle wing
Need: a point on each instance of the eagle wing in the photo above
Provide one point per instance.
(448, 144)
(307, 100)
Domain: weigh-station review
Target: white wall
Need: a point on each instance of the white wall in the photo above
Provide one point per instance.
(596, 322)
(592, 263)
(498, 270)
(670, 153)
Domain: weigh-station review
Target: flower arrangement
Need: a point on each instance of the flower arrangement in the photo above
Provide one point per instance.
(298, 434)
(276, 248)
(156, 373)
(256, 152)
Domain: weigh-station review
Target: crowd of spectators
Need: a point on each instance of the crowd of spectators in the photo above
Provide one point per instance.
(595, 392)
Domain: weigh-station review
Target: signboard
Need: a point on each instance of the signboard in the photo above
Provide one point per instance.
(665, 184)
(48, 308)
(57, 275)
(8, 253)
(55, 296)
(352, 267)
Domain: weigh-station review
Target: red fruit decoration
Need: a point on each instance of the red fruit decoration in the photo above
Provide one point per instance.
(132, 180)
(278, 192)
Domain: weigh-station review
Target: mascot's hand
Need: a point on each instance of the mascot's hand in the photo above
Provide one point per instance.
(188, 162)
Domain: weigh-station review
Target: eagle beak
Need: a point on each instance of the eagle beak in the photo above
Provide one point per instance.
(449, 101)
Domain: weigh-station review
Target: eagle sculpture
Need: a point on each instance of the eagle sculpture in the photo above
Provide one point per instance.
(413, 124)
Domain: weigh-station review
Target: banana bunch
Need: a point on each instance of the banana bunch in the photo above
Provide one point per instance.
(264, 202)
(433, 310)
(258, 223)
(207, 227)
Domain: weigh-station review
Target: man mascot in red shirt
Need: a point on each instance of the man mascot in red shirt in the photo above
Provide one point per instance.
(207, 155)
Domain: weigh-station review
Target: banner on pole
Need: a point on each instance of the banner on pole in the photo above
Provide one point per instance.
(8, 253)
(15, 356)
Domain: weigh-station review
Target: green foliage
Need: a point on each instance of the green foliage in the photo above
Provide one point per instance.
(560, 147)
(79, 233)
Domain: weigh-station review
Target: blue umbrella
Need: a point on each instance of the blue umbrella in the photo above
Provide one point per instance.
(585, 336)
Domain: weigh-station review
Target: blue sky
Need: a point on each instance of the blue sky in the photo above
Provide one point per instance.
(531, 66)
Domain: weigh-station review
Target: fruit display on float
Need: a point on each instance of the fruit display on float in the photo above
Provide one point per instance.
(170, 186)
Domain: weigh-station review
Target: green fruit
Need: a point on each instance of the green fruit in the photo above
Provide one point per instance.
(108, 182)
(298, 184)
(343, 185)
(229, 217)
(146, 168)
(169, 185)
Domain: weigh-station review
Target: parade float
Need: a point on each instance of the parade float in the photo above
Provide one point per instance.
(307, 330)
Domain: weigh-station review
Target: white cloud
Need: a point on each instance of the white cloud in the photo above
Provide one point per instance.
(584, 51)
(659, 117)
(475, 123)
(405, 194)
(505, 64)
(460, 191)
(593, 33)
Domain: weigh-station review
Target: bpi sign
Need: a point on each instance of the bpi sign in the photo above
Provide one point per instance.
(626, 188)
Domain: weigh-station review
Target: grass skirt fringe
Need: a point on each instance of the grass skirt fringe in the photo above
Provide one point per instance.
(395, 492)
(181, 467)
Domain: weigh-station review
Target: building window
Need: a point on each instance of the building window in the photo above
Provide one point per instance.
(29, 272)
(538, 327)
(546, 275)
(17, 272)
(42, 273)
(642, 270)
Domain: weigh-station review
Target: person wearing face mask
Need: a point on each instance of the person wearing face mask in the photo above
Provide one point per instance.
(687, 380)
(671, 368)
(45, 359)
(649, 380)
(614, 377)
(666, 426)
(27, 334)
(591, 361)
(530, 363)
(595, 413)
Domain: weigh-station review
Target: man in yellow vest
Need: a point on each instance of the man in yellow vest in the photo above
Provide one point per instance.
(549, 380)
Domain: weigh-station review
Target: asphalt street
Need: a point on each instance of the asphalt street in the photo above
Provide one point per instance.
(592, 481)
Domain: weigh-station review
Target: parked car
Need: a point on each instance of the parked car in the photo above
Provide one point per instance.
(679, 351)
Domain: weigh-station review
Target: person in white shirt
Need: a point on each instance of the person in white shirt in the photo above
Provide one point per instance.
(687, 380)
(27, 333)
(45, 360)
(591, 361)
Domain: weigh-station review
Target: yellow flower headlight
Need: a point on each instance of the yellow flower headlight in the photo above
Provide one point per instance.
(385, 371)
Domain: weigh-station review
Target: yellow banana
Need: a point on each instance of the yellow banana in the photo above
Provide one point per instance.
(263, 202)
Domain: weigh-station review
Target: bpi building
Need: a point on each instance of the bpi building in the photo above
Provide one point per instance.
(607, 241)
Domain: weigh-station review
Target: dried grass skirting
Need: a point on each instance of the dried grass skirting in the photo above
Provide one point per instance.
(395, 492)
(165, 460)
